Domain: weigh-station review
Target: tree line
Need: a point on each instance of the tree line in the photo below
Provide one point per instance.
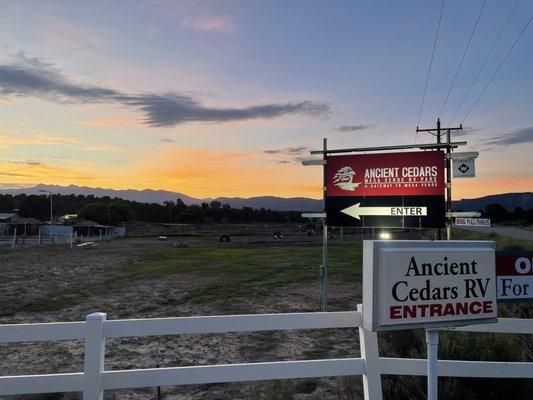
(107, 210)
(497, 214)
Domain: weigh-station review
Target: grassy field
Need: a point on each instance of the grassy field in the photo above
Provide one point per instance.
(234, 272)
(253, 272)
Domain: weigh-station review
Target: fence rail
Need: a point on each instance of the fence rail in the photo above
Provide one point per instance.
(96, 329)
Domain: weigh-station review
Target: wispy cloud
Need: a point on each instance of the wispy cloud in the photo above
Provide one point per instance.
(34, 171)
(288, 150)
(214, 24)
(352, 128)
(167, 140)
(519, 136)
(294, 154)
(33, 77)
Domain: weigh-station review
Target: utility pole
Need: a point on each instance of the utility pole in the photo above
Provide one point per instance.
(51, 214)
(437, 132)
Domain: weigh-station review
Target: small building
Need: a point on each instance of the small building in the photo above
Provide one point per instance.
(91, 228)
(25, 226)
(5, 220)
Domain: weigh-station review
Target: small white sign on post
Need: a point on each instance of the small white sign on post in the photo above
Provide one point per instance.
(464, 167)
(428, 284)
(485, 222)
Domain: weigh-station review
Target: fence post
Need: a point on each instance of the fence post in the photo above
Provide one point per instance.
(370, 353)
(14, 241)
(94, 356)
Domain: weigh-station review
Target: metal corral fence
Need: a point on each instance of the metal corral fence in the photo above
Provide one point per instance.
(35, 240)
(96, 329)
(63, 236)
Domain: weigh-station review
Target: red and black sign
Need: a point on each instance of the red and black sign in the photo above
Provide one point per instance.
(400, 190)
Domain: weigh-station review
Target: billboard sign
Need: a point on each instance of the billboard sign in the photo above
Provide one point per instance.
(400, 190)
(484, 222)
(423, 284)
(514, 277)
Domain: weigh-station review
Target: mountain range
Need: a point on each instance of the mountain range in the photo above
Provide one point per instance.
(160, 196)
(508, 200)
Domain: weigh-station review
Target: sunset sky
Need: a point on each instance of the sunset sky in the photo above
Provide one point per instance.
(225, 98)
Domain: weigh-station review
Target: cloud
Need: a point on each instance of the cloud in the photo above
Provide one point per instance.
(33, 77)
(519, 136)
(352, 128)
(29, 162)
(295, 154)
(170, 109)
(35, 171)
(213, 24)
(167, 140)
(288, 150)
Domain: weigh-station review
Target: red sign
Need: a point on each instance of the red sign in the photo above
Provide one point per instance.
(419, 173)
(519, 265)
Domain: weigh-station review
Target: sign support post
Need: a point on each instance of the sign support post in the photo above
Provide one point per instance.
(448, 187)
(432, 342)
(324, 272)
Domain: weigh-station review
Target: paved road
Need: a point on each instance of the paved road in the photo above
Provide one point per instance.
(515, 233)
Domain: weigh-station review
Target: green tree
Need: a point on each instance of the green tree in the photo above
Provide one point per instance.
(119, 212)
(519, 214)
(97, 211)
(497, 213)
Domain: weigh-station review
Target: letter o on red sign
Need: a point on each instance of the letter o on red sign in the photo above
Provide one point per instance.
(523, 265)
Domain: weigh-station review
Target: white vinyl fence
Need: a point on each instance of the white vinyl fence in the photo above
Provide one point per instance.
(96, 329)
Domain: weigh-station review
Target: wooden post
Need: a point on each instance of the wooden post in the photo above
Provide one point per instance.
(94, 357)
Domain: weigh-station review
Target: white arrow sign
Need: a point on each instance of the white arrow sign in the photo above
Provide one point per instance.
(356, 211)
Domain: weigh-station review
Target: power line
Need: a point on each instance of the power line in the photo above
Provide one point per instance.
(497, 70)
(463, 57)
(430, 63)
(485, 61)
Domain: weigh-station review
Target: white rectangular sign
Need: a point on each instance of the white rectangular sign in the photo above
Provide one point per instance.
(464, 167)
(413, 284)
(472, 222)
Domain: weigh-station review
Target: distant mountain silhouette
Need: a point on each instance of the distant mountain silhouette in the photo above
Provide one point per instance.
(160, 196)
(508, 200)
